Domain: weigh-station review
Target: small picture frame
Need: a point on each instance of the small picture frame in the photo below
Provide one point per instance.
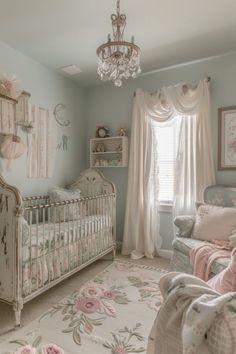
(227, 138)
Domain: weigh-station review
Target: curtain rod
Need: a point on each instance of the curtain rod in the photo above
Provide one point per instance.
(208, 80)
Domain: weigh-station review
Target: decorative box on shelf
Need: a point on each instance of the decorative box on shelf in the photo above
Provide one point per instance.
(109, 152)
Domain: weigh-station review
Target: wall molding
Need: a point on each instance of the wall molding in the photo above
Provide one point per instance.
(187, 63)
(165, 253)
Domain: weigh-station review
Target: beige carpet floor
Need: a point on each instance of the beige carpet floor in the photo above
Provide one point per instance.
(42, 303)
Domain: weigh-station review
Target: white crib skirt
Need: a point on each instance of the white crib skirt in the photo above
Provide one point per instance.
(45, 259)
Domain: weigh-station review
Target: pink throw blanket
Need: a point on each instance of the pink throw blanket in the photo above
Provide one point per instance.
(203, 256)
(225, 281)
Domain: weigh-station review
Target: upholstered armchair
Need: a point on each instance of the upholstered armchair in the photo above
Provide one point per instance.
(193, 318)
(217, 195)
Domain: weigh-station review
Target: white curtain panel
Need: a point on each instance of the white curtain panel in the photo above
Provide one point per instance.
(194, 164)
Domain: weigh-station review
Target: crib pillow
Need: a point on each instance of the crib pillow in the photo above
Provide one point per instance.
(214, 223)
(67, 212)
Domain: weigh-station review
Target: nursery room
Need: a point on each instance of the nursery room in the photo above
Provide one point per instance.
(117, 177)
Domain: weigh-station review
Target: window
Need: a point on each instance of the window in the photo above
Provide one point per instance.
(166, 145)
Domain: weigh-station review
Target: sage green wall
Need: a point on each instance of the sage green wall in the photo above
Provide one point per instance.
(47, 88)
(111, 106)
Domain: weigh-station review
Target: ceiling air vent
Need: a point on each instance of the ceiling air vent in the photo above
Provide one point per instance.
(71, 69)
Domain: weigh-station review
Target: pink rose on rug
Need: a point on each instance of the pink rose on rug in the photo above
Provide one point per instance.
(88, 304)
(118, 349)
(92, 290)
(51, 349)
(26, 350)
(108, 294)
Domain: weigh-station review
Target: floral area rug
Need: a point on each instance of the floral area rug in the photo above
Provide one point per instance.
(112, 313)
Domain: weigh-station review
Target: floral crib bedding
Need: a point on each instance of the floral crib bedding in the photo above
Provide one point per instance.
(52, 249)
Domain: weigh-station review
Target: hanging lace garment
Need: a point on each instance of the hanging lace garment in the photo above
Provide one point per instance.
(7, 116)
(41, 152)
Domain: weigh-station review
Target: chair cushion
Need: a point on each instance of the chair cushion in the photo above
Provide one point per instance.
(214, 223)
(184, 245)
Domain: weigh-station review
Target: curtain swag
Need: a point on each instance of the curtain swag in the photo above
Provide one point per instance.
(208, 79)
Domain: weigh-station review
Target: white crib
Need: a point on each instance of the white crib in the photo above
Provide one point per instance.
(38, 249)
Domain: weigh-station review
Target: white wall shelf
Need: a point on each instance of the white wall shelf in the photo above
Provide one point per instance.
(115, 152)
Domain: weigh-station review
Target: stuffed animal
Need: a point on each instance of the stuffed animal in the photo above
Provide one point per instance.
(100, 148)
(97, 163)
(122, 132)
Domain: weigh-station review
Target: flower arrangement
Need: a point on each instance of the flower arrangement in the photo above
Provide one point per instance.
(10, 86)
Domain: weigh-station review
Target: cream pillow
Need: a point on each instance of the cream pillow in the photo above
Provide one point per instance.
(67, 212)
(214, 223)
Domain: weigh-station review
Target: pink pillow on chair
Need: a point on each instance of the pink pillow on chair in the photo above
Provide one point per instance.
(225, 281)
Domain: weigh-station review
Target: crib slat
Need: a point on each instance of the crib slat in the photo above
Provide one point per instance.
(50, 265)
(89, 228)
(65, 259)
(69, 208)
(77, 223)
(80, 206)
(30, 254)
(100, 224)
(44, 265)
(37, 249)
(55, 260)
(57, 211)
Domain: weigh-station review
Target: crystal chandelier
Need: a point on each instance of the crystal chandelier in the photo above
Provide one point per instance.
(118, 59)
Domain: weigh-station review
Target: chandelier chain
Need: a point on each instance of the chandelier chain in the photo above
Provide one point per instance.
(118, 7)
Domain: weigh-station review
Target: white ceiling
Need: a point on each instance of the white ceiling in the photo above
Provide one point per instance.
(63, 32)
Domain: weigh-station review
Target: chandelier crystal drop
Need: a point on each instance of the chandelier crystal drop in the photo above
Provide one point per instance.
(118, 59)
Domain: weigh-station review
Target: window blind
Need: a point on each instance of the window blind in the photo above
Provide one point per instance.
(166, 139)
